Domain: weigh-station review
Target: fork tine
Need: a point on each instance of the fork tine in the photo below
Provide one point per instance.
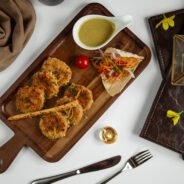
(142, 156)
(144, 159)
(141, 153)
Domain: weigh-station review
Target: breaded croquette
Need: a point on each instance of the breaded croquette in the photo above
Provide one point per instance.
(80, 93)
(46, 81)
(53, 125)
(30, 99)
(74, 114)
(59, 69)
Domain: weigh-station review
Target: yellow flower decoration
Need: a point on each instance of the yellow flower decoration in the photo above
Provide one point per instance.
(175, 116)
(166, 22)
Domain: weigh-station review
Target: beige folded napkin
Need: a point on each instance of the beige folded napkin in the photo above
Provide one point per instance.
(17, 21)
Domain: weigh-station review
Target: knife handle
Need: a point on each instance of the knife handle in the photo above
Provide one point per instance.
(51, 179)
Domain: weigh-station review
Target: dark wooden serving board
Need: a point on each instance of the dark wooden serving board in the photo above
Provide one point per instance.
(63, 47)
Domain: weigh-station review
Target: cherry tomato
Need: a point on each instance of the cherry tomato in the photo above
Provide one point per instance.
(82, 62)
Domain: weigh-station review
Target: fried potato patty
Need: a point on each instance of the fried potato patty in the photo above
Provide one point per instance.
(53, 125)
(59, 69)
(74, 115)
(81, 93)
(46, 81)
(29, 99)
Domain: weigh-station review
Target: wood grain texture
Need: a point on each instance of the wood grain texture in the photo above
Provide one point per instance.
(64, 48)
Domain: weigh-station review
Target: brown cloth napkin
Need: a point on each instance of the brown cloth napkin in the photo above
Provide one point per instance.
(17, 21)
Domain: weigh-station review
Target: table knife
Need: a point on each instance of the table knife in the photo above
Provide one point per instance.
(104, 164)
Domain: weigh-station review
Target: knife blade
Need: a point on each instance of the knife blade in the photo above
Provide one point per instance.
(104, 164)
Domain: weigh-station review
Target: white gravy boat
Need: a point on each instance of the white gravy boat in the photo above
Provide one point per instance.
(119, 22)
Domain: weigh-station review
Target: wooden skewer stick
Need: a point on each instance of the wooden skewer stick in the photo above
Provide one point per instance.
(42, 112)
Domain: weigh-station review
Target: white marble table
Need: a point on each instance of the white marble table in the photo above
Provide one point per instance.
(127, 114)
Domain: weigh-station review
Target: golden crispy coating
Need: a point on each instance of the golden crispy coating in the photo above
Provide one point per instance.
(29, 99)
(46, 81)
(53, 125)
(74, 114)
(80, 93)
(59, 69)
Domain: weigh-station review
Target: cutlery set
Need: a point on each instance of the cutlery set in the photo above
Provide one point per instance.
(131, 163)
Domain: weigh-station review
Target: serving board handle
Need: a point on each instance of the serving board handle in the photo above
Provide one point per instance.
(9, 151)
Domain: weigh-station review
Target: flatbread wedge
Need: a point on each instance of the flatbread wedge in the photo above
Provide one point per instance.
(116, 68)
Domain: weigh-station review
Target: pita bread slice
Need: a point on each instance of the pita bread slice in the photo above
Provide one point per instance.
(113, 86)
(116, 85)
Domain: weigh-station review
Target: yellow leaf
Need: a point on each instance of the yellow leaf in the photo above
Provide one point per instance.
(172, 17)
(166, 22)
(176, 120)
(171, 22)
(172, 114)
(165, 25)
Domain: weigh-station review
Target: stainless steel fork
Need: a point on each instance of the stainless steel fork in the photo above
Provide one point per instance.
(132, 162)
